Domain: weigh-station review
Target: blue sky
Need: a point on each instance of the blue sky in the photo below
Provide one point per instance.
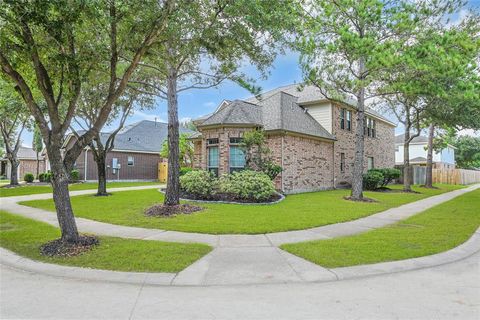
(194, 103)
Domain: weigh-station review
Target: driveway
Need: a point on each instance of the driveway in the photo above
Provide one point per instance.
(446, 292)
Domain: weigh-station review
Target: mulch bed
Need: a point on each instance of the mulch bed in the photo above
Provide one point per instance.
(161, 210)
(228, 198)
(387, 190)
(364, 199)
(60, 248)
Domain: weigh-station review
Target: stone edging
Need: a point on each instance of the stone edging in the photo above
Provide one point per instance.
(463, 251)
(282, 197)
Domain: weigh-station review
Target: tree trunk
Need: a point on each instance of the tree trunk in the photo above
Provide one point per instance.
(100, 159)
(357, 180)
(61, 195)
(172, 194)
(407, 172)
(38, 167)
(14, 163)
(429, 172)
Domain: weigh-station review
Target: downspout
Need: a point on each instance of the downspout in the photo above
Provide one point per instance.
(86, 164)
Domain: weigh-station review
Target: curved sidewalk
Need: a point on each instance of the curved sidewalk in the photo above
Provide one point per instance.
(276, 239)
(241, 259)
(304, 270)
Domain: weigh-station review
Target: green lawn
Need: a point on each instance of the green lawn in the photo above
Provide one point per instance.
(23, 190)
(435, 230)
(296, 212)
(24, 236)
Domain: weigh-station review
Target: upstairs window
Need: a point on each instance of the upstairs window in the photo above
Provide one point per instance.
(370, 128)
(342, 118)
(349, 120)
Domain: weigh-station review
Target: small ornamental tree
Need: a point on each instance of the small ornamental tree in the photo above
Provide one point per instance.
(186, 151)
(258, 156)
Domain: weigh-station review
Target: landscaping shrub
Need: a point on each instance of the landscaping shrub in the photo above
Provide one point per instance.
(41, 177)
(184, 170)
(48, 176)
(248, 184)
(74, 176)
(28, 177)
(372, 180)
(389, 174)
(272, 169)
(200, 183)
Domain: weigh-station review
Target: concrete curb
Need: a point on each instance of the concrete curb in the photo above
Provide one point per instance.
(308, 271)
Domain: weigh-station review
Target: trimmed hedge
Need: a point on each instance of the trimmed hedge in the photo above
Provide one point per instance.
(372, 180)
(200, 183)
(28, 177)
(74, 176)
(248, 185)
(379, 178)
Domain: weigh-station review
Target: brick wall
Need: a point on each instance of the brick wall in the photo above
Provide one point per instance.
(145, 166)
(381, 148)
(307, 164)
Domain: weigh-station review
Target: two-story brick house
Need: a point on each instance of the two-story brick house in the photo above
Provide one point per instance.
(312, 138)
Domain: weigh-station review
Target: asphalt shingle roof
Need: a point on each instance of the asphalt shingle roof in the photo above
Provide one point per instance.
(144, 136)
(420, 139)
(307, 94)
(27, 153)
(278, 111)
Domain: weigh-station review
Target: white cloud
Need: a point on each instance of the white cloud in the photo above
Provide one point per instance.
(185, 119)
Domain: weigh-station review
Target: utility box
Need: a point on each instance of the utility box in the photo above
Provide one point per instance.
(162, 172)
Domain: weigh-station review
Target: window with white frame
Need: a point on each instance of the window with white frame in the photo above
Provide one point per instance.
(342, 118)
(213, 155)
(236, 155)
(349, 120)
(130, 161)
(371, 163)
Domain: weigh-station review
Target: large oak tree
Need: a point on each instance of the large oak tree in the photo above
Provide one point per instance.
(51, 47)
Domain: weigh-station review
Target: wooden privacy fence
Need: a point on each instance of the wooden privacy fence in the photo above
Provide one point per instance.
(455, 176)
(162, 172)
(447, 176)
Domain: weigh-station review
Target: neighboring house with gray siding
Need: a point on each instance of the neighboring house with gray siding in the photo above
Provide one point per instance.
(311, 137)
(444, 158)
(135, 155)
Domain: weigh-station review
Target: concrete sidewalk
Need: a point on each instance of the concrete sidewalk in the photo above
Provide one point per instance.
(271, 240)
(255, 259)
